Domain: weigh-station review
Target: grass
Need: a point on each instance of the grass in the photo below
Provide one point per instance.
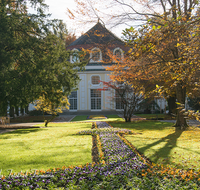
(83, 118)
(155, 116)
(162, 144)
(157, 140)
(45, 148)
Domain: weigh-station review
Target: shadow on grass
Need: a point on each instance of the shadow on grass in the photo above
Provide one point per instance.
(192, 151)
(164, 152)
(18, 132)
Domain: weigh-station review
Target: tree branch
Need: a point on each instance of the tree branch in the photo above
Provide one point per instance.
(142, 14)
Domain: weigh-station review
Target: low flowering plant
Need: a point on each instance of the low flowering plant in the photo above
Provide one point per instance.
(96, 117)
(105, 130)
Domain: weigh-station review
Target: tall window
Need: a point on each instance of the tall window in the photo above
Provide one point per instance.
(95, 79)
(95, 99)
(73, 100)
(118, 102)
(95, 55)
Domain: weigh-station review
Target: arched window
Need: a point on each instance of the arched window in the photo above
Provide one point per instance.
(95, 80)
(74, 58)
(118, 53)
(95, 55)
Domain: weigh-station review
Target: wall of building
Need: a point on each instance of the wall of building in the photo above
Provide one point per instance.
(84, 90)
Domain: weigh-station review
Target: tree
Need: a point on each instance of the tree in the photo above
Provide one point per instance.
(167, 52)
(112, 12)
(126, 97)
(52, 105)
(33, 56)
(58, 76)
(20, 35)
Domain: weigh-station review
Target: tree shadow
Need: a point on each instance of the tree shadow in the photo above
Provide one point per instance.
(192, 151)
(19, 132)
(171, 142)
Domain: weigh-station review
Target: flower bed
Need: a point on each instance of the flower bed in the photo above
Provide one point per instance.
(120, 167)
(96, 117)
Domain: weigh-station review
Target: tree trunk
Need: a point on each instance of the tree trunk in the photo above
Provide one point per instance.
(26, 109)
(22, 110)
(3, 108)
(181, 95)
(172, 104)
(48, 121)
(17, 110)
(12, 111)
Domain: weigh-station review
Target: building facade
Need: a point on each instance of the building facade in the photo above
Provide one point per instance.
(98, 41)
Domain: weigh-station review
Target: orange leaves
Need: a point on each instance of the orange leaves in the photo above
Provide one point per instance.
(70, 14)
(165, 53)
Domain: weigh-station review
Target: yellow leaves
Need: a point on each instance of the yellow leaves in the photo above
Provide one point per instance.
(158, 27)
(137, 54)
(52, 106)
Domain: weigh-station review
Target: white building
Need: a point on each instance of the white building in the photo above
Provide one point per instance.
(98, 40)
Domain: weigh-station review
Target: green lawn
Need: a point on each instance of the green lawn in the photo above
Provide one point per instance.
(163, 145)
(57, 146)
(44, 148)
(109, 118)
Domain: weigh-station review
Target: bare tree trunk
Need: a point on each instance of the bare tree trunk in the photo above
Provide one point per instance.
(181, 95)
(126, 114)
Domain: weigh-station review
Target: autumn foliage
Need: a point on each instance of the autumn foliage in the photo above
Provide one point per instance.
(166, 53)
(52, 104)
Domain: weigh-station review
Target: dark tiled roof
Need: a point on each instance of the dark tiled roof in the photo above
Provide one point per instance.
(98, 34)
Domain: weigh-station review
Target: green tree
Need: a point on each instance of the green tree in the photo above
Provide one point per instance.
(33, 57)
(53, 104)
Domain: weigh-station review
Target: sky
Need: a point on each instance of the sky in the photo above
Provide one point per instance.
(58, 9)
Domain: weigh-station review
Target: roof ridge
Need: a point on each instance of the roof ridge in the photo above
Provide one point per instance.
(89, 37)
